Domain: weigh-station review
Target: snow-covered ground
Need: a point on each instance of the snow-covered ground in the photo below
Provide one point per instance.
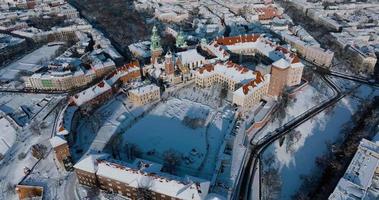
(96, 130)
(305, 99)
(169, 127)
(19, 156)
(29, 62)
(207, 96)
(296, 157)
(7, 135)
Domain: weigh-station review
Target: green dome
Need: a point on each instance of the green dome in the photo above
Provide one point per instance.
(155, 40)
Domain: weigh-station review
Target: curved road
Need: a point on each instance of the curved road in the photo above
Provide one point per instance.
(259, 147)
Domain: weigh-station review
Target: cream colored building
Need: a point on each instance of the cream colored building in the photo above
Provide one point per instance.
(59, 81)
(61, 77)
(313, 53)
(248, 86)
(286, 69)
(145, 94)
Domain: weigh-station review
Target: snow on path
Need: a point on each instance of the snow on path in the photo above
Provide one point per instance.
(325, 127)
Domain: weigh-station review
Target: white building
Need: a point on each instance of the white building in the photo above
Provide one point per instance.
(361, 179)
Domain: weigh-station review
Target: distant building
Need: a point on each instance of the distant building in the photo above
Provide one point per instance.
(62, 152)
(310, 52)
(130, 180)
(145, 94)
(180, 40)
(361, 179)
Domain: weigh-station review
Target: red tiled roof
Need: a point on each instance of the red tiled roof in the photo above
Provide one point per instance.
(296, 59)
(208, 67)
(253, 83)
(267, 13)
(237, 39)
(126, 67)
(101, 84)
(282, 49)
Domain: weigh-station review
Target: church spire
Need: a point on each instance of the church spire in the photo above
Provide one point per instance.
(155, 40)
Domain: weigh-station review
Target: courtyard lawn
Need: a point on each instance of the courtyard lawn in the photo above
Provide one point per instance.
(163, 129)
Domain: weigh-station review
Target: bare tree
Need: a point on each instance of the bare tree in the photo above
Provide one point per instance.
(144, 189)
(284, 101)
(272, 184)
(172, 160)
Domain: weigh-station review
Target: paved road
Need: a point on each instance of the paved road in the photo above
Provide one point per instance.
(355, 78)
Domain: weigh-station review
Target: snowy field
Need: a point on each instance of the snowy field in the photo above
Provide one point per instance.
(97, 129)
(192, 130)
(207, 96)
(164, 129)
(19, 156)
(7, 135)
(29, 62)
(305, 99)
(296, 157)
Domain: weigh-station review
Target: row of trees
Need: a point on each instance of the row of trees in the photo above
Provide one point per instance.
(338, 156)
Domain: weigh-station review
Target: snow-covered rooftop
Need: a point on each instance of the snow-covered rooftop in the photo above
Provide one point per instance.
(57, 141)
(279, 55)
(189, 56)
(230, 70)
(145, 172)
(361, 176)
(91, 93)
(144, 89)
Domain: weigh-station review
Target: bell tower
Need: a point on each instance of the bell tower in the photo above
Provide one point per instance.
(169, 63)
(155, 46)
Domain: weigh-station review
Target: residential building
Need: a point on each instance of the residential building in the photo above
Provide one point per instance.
(145, 94)
(62, 152)
(129, 179)
(93, 96)
(129, 72)
(66, 74)
(309, 51)
(361, 179)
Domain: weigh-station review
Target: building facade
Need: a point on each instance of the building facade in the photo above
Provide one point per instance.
(145, 94)
(248, 86)
(66, 80)
(62, 152)
(140, 178)
(284, 74)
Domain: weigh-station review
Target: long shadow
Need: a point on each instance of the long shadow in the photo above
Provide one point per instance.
(80, 147)
(154, 135)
